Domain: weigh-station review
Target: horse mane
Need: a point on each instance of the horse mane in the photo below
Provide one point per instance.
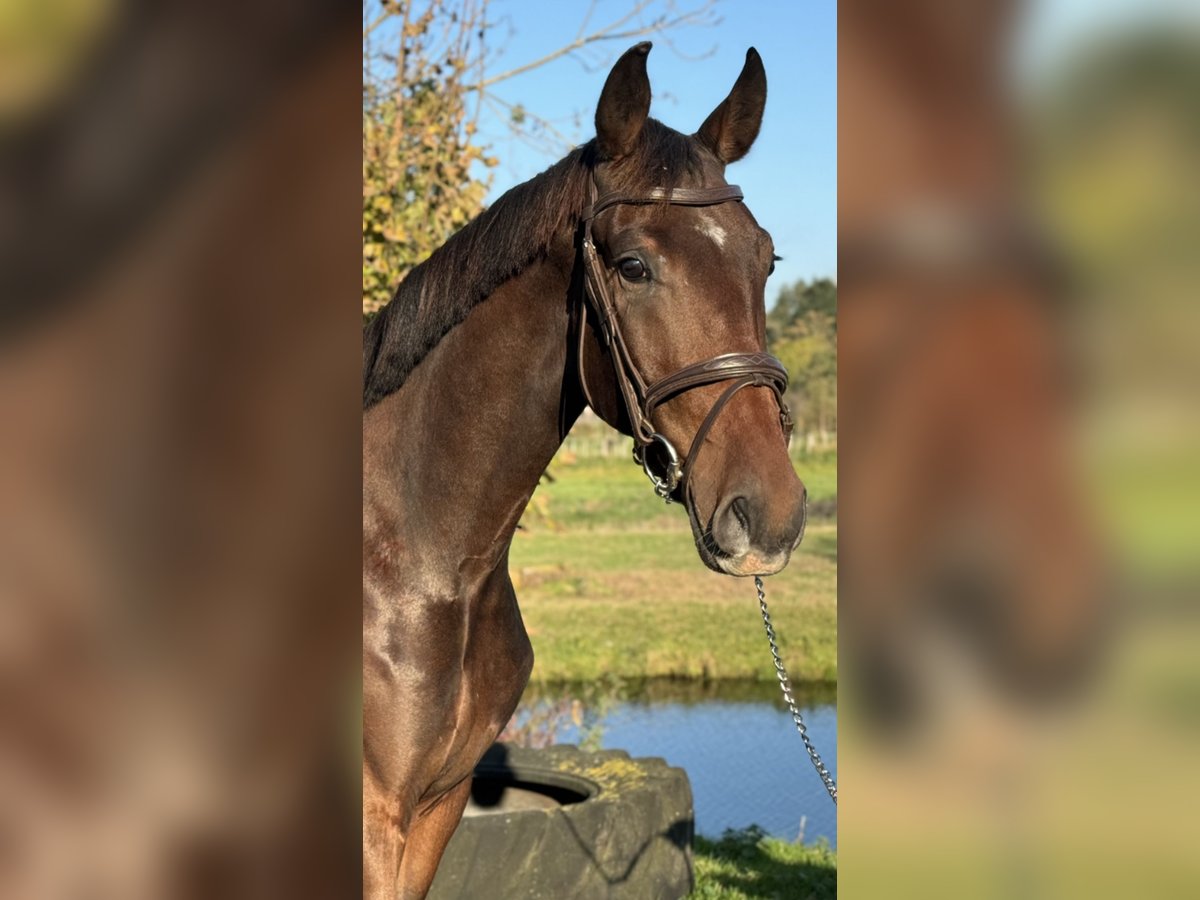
(517, 230)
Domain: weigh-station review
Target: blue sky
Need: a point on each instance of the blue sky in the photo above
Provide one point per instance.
(790, 176)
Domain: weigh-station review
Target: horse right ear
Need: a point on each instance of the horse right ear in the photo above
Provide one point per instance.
(624, 104)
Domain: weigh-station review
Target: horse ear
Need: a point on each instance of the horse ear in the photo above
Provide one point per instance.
(624, 104)
(732, 127)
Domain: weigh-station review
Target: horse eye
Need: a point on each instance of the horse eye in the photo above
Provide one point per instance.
(632, 269)
(771, 271)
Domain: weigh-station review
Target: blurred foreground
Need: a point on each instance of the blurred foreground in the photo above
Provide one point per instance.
(1018, 437)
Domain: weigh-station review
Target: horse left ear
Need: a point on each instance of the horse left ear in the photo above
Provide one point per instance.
(732, 127)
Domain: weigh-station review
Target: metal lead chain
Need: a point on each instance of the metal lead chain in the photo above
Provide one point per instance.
(786, 686)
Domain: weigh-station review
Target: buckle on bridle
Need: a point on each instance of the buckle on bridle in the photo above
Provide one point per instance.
(663, 486)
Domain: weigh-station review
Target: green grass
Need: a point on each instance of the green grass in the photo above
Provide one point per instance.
(746, 865)
(591, 493)
(1148, 498)
(610, 584)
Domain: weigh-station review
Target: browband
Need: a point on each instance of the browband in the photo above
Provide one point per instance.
(673, 196)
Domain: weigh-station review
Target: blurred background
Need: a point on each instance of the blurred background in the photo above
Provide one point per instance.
(1018, 220)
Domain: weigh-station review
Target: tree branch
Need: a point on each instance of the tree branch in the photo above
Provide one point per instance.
(541, 121)
(379, 20)
(607, 33)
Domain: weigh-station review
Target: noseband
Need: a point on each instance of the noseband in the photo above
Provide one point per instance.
(756, 369)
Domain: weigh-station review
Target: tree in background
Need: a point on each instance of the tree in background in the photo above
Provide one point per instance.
(421, 181)
(802, 332)
(427, 79)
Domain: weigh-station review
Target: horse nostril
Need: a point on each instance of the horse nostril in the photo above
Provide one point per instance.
(741, 510)
(731, 527)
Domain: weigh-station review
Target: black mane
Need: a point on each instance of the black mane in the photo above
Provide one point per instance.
(514, 232)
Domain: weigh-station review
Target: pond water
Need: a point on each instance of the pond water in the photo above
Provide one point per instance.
(735, 740)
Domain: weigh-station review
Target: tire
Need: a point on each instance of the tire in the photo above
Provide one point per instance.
(563, 824)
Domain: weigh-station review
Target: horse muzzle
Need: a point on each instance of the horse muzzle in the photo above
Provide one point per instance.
(752, 534)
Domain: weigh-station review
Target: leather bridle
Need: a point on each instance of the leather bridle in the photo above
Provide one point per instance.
(755, 369)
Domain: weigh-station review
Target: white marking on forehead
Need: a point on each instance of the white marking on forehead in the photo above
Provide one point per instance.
(707, 227)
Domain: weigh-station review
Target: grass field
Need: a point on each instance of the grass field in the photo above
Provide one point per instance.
(745, 865)
(610, 585)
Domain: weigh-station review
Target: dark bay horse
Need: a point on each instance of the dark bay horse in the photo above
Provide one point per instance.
(473, 374)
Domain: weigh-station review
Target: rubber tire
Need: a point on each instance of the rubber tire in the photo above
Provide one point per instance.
(630, 838)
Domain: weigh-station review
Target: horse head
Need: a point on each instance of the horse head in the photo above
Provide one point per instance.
(673, 343)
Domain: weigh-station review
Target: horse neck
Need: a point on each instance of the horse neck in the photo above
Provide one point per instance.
(461, 446)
